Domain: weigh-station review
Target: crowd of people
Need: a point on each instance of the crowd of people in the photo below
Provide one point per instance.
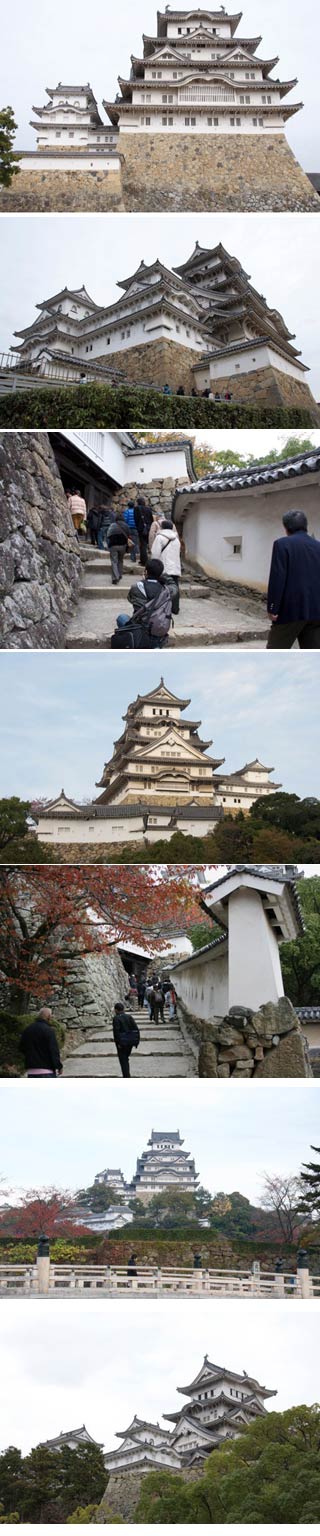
(150, 992)
(137, 531)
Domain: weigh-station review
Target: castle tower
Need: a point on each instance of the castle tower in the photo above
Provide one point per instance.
(202, 324)
(164, 1163)
(159, 779)
(221, 1403)
(205, 101)
(71, 120)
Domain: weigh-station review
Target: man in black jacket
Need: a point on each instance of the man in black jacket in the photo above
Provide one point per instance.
(118, 542)
(294, 587)
(40, 1048)
(143, 516)
(126, 1035)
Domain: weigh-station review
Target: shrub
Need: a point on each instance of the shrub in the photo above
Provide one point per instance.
(11, 1027)
(97, 405)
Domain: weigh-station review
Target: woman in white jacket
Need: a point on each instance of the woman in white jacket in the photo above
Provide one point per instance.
(166, 547)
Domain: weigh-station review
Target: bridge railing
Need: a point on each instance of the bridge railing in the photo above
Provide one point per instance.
(47, 1278)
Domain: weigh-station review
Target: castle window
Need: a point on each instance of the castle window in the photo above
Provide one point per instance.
(148, 119)
(164, 98)
(159, 74)
(154, 74)
(164, 121)
(248, 98)
(148, 96)
(170, 121)
(216, 122)
(268, 98)
(71, 135)
(141, 121)
(175, 75)
(241, 98)
(209, 121)
(187, 122)
(260, 121)
(58, 134)
(254, 120)
(193, 121)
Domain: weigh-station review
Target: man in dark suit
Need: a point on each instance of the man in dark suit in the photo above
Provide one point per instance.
(293, 599)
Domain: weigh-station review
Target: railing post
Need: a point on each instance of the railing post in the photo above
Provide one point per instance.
(256, 1285)
(43, 1266)
(303, 1275)
(279, 1284)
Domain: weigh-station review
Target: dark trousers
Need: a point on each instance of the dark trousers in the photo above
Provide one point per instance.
(124, 1062)
(143, 546)
(283, 636)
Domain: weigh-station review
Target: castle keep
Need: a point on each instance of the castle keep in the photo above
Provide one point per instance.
(158, 780)
(202, 325)
(209, 116)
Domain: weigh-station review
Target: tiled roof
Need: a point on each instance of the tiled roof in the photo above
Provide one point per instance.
(267, 871)
(256, 474)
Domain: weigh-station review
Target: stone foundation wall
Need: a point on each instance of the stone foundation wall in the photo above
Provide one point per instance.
(175, 171)
(268, 1043)
(267, 386)
(123, 1492)
(90, 990)
(158, 493)
(181, 172)
(157, 362)
(40, 565)
(63, 191)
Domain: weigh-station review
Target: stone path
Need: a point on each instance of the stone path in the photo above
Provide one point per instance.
(209, 614)
(162, 1052)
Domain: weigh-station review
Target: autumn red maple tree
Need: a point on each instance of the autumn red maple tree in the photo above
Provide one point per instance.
(49, 916)
(40, 1210)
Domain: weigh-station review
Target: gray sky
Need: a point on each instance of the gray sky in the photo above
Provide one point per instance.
(228, 1133)
(61, 713)
(42, 253)
(59, 45)
(101, 1362)
(258, 442)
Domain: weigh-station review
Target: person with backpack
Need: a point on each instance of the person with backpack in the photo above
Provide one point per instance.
(107, 516)
(126, 1036)
(149, 626)
(129, 519)
(118, 541)
(166, 547)
(143, 519)
(158, 1005)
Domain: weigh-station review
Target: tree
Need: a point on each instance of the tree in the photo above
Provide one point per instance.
(282, 1196)
(172, 1207)
(300, 959)
(310, 1178)
(18, 844)
(47, 1486)
(203, 933)
(98, 1197)
(9, 162)
(45, 1210)
(269, 1475)
(49, 917)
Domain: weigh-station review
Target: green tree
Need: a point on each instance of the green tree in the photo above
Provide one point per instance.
(9, 162)
(269, 1475)
(98, 1197)
(300, 959)
(18, 844)
(46, 1486)
(171, 1207)
(202, 934)
(310, 1177)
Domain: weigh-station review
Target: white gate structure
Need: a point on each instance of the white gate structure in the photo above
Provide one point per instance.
(45, 1278)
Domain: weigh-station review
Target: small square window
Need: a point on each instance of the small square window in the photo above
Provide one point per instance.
(148, 120)
(216, 122)
(187, 122)
(248, 98)
(164, 98)
(193, 121)
(170, 121)
(164, 122)
(209, 121)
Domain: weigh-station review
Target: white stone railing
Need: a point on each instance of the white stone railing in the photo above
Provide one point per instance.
(46, 1278)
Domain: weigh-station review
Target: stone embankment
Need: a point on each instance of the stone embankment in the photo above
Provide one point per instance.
(268, 1043)
(210, 612)
(40, 566)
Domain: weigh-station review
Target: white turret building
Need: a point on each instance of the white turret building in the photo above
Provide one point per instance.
(163, 1164)
(220, 1404)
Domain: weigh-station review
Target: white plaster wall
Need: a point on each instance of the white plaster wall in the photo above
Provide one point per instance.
(312, 1032)
(220, 28)
(175, 122)
(244, 362)
(156, 466)
(203, 985)
(51, 830)
(104, 449)
(255, 519)
(70, 162)
(255, 975)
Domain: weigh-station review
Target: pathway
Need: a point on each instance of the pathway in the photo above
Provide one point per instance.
(162, 1052)
(209, 613)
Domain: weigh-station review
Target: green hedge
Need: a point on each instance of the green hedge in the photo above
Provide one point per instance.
(11, 1026)
(96, 405)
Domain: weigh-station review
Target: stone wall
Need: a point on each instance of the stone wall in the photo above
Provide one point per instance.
(268, 1043)
(40, 566)
(266, 386)
(63, 191)
(123, 1491)
(158, 493)
(155, 362)
(91, 988)
(179, 172)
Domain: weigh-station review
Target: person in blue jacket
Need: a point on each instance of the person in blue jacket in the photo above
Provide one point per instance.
(293, 599)
(129, 518)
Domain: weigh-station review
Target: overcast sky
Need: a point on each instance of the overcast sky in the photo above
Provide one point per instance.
(42, 254)
(62, 46)
(62, 711)
(257, 442)
(227, 1132)
(99, 1363)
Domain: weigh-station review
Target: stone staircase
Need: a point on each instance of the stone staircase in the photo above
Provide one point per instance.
(210, 614)
(162, 1051)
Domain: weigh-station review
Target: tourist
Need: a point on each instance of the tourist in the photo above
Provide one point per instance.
(143, 520)
(132, 1267)
(150, 998)
(129, 518)
(217, 396)
(228, 395)
(181, 390)
(172, 1004)
(166, 547)
(167, 389)
(126, 1036)
(158, 1004)
(141, 990)
(156, 524)
(39, 1046)
(118, 542)
(107, 516)
(77, 507)
(194, 393)
(293, 599)
(152, 608)
(93, 524)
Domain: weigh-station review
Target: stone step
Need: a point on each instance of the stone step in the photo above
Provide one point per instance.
(102, 589)
(151, 1066)
(146, 1048)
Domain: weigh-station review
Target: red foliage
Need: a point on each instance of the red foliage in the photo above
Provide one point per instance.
(40, 1211)
(50, 915)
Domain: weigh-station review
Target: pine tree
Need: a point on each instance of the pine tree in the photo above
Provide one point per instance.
(9, 162)
(311, 1183)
